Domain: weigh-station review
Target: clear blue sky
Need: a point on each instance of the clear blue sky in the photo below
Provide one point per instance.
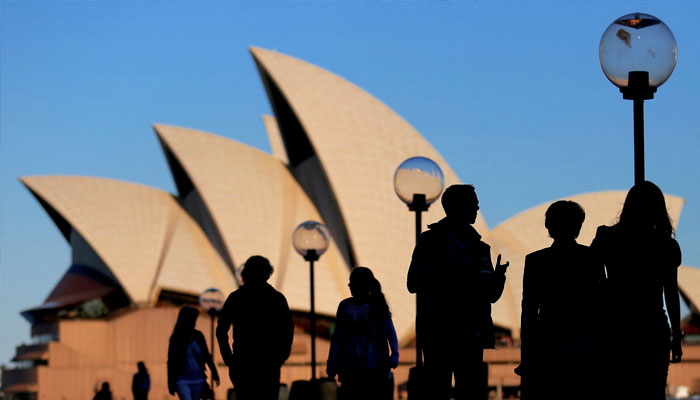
(510, 92)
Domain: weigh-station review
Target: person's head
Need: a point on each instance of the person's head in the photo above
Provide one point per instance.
(141, 366)
(564, 219)
(257, 269)
(645, 209)
(105, 386)
(363, 285)
(186, 319)
(460, 203)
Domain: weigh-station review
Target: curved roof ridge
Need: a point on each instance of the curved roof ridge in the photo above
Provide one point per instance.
(269, 205)
(359, 142)
(129, 226)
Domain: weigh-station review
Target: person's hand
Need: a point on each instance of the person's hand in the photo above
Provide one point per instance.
(394, 360)
(501, 268)
(676, 350)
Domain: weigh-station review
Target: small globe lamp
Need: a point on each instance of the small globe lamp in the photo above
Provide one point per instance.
(418, 182)
(311, 240)
(212, 300)
(638, 54)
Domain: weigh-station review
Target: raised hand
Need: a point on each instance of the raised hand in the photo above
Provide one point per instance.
(501, 268)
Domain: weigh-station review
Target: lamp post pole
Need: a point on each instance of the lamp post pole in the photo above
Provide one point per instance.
(212, 316)
(311, 256)
(638, 90)
(418, 205)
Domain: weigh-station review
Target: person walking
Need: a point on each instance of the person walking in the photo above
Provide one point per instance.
(141, 383)
(641, 258)
(452, 274)
(262, 333)
(560, 310)
(364, 347)
(187, 355)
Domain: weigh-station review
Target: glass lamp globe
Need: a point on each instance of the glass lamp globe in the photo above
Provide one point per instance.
(311, 235)
(418, 175)
(638, 42)
(212, 299)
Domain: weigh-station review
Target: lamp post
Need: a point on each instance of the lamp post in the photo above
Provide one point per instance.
(311, 240)
(418, 182)
(212, 300)
(638, 54)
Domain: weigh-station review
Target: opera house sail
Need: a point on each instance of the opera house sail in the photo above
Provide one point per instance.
(138, 253)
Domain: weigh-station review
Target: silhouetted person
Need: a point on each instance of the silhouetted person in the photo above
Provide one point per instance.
(453, 276)
(561, 309)
(262, 333)
(364, 347)
(187, 355)
(104, 393)
(141, 383)
(641, 258)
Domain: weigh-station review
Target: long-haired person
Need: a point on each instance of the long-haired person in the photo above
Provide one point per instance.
(364, 347)
(187, 355)
(641, 257)
(561, 300)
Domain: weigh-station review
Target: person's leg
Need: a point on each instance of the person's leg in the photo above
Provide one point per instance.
(471, 375)
(438, 371)
(183, 391)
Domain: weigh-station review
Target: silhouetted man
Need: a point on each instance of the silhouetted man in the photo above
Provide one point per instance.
(562, 290)
(262, 333)
(453, 276)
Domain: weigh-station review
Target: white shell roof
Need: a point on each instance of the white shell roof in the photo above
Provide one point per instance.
(256, 204)
(142, 234)
(360, 143)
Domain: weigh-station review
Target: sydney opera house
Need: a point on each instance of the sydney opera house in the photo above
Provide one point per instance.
(138, 253)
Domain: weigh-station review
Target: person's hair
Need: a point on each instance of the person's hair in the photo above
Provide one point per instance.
(645, 210)
(184, 326)
(142, 367)
(455, 196)
(256, 269)
(363, 276)
(564, 218)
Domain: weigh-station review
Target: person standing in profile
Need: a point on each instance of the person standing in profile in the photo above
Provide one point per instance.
(452, 274)
(561, 306)
(641, 258)
(141, 383)
(364, 347)
(262, 333)
(187, 355)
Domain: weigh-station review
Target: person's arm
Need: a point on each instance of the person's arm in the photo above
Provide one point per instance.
(673, 303)
(208, 359)
(171, 368)
(333, 363)
(528, 317)
(287, 330)
(393, 342)
(222, 329)
(418, 270)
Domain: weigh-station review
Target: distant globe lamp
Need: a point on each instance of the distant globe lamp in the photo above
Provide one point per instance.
(638, 53)
(212, 301)
(311, 239)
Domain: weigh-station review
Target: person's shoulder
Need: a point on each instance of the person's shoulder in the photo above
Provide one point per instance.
(538, 254)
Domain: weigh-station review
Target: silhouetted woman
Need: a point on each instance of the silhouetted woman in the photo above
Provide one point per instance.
(104, 393)
(364, 347)
(141, 383)
(641, 258)
(561, 291)
(187, 354)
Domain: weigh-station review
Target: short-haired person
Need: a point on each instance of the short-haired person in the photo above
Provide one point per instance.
(262, 333)
(452, 274)
(560, 312)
